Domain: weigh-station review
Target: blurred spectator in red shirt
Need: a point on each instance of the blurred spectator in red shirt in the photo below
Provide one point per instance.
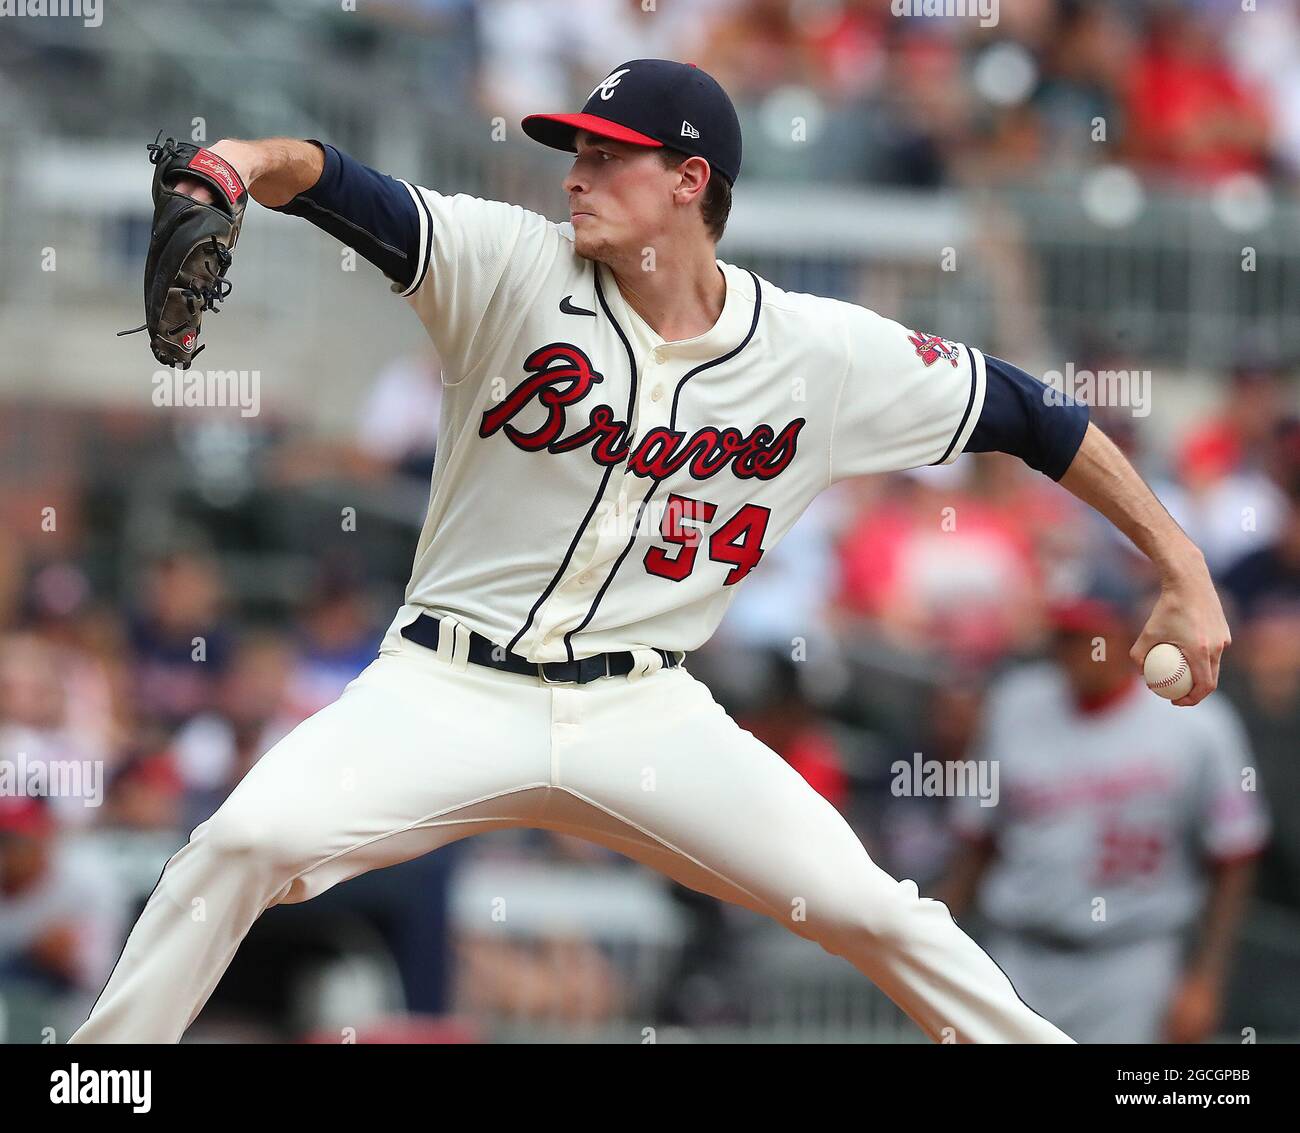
(1057, 526)
(1244, 421)
(1190, 117)
(938, 569)
(846, 46)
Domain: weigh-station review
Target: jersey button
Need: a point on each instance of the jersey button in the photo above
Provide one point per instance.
(584, 578)
(659, 355)
(657, 393)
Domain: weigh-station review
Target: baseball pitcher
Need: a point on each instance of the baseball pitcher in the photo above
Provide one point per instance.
(629, 426)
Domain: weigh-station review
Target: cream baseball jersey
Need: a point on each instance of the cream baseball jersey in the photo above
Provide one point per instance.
(599, 489)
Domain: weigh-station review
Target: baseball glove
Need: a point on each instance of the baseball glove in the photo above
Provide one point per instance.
(189, 248)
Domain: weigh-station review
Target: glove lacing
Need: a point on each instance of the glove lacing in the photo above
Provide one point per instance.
(206, 298)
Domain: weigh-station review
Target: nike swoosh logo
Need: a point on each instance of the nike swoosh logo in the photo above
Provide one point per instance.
(567, 308)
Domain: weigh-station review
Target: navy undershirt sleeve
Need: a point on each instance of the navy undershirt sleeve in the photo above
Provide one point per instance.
(366, 210)
(1027, 418)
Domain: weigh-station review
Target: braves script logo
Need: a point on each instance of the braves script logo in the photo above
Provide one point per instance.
(211, 163)
(561, 375)
(930, 348)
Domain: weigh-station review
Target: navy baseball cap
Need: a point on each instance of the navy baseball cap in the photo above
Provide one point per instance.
(653, 102)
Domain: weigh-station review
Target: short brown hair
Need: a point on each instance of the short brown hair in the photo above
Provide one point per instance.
(716, 206)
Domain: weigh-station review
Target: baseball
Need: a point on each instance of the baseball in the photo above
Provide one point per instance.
(1167, 672)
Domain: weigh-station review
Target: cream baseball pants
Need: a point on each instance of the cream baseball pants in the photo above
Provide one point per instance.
(424, 748)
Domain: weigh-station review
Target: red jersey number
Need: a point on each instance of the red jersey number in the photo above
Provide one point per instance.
(736, 543)
(679, 508)
(1128, 853)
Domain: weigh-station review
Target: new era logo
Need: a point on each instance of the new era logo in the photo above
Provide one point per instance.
(689, 131)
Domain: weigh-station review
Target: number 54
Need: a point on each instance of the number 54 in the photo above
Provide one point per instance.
(737, 542)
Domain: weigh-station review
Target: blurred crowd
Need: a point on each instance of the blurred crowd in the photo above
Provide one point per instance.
(854, 91)
(1187, 91)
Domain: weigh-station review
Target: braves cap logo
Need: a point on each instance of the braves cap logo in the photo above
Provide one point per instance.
(606, 87)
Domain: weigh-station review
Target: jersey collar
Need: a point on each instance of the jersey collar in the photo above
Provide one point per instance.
(725, 335)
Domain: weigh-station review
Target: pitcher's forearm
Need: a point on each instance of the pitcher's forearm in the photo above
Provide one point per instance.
(1187, 613)
(370, 212)
(1101, 476)
(275, 169)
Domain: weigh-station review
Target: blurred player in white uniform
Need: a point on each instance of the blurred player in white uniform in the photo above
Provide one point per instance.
(629, 425)
(1114, 868)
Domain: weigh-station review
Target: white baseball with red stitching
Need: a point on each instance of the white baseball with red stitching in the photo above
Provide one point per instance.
(1167, 672)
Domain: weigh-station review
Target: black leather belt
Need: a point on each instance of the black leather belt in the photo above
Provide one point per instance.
(482, 651)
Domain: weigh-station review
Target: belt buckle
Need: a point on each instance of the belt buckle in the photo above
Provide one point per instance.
(541, 665)
(541, 670)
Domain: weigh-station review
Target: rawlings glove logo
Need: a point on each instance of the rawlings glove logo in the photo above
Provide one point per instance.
(209, 163)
